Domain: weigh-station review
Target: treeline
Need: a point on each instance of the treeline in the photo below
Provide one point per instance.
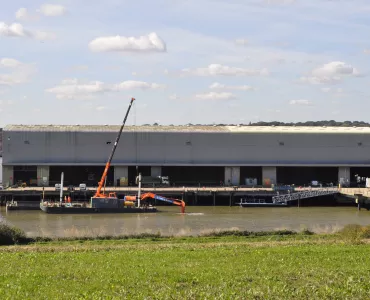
(330, 123)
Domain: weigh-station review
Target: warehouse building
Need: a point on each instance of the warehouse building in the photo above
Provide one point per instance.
(189, 155)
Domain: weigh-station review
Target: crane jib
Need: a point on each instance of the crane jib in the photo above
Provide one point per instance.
(120, 132)
(105, 173)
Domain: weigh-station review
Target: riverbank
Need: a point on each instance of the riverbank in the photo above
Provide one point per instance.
(219, 265)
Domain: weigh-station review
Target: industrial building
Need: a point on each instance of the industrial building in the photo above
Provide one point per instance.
(189, 155)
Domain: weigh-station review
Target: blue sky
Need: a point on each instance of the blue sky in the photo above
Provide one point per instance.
(187, 61)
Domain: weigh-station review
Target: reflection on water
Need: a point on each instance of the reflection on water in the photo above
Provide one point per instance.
(197, 220)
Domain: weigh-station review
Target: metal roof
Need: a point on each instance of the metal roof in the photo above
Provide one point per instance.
(186, 128)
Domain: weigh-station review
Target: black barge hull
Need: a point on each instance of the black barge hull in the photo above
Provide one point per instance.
(9, 208)
(90, 210)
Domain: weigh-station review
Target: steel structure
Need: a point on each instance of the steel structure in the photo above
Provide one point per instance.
(316, 192)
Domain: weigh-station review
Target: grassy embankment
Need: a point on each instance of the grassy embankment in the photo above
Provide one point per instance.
(225, 265)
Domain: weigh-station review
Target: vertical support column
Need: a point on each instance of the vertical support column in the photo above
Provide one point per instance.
(232, 176)
(156, 171)
(235, 176)
(8, 176)
(268, 176)
(120, 176)
(231, 199)
(43, 175)
(228, 175)
(344, 176)
(214, 198)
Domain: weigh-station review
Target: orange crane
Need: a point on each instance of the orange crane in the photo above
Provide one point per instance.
(129, 199)
(99, 193)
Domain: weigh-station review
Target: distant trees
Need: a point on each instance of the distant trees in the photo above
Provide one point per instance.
(330, 123)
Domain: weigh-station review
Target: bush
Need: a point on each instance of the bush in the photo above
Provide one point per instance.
(355, 232)
(10, 235)
(247, 233)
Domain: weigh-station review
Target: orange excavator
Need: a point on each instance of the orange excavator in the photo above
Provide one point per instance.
(128, 200)
(146, 196)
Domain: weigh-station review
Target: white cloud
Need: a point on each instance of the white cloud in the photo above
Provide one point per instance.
(242, 42)
(132, 84)
(335, 68)
(100, 108)
(319, 80)
(9, 63)
(19, 72)
(301, 102)
(147, 43)
(221, 70)
(174, 97)
(76, 89)
(215, 96)
(13, 30)
(332, 90)
(329, 73)
(17, 30)
(367, 51)
(49, 10)
(52, 10)
(217, 85)
(24, 15)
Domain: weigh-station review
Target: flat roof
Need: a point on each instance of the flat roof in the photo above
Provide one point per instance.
(190, 128)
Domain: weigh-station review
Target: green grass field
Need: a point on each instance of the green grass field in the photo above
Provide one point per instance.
(217, 267)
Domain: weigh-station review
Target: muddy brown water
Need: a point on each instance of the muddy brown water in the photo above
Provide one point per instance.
(197, 220)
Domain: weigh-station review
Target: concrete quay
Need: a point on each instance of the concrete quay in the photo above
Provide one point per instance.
(190, 194)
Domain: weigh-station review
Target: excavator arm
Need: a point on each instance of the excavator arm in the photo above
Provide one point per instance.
(98, 193)
(160, 198)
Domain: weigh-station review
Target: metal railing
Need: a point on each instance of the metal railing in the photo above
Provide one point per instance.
(304, 194)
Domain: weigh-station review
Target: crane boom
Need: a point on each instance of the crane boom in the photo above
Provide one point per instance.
(105, 173)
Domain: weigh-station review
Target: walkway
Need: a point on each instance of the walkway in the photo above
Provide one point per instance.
(314, 192)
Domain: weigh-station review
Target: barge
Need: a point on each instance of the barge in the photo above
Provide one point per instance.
(68, 208)
(14, 205)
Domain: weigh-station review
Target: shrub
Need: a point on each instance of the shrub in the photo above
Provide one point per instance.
(247, 233)
(10, 235)
(355, 232)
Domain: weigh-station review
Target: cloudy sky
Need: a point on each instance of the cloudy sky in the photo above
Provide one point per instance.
(185, 61)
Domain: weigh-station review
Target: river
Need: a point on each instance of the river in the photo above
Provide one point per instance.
(197, 220)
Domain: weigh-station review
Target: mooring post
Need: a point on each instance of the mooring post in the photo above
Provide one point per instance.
(231, 197)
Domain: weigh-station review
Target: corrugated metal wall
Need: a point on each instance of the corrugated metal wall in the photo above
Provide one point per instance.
(201, 148)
